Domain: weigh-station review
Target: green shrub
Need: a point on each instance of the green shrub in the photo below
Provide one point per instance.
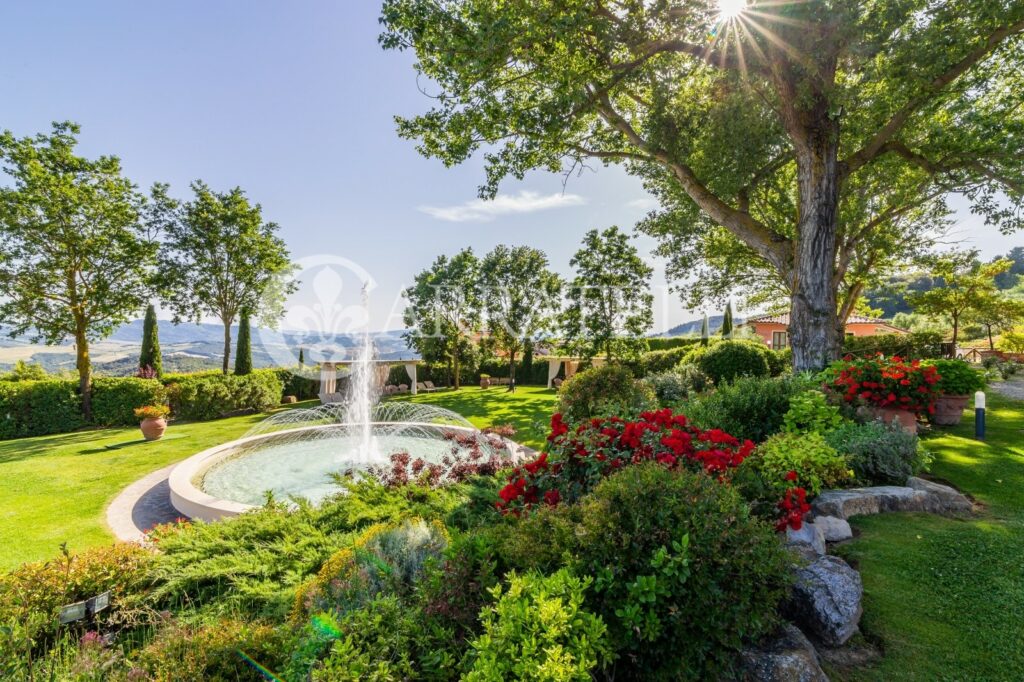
(538, 630)
(879, 453)
(684, 575)
(779, 361)
(378, 641)
(669, 342)
(957, 377)
(38, 408)
(913, 346)
(202, 397)
(32, 594)
(115, 399)
(727, 360)
(810, 412)
(677, 384)
(748, 408)
(608, 389)
(656, 361)
(458, 589)
(301, 386)
(817, 464)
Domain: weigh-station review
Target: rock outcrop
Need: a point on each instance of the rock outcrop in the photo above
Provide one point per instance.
(826, 600)
(787, 657)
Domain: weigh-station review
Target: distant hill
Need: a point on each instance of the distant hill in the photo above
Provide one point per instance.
(693, 326)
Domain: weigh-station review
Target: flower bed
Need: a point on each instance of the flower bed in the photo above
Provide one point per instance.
(886, 383)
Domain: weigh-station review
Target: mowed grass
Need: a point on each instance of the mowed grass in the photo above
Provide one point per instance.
(528, 409)
(55, 489)
(944, 598)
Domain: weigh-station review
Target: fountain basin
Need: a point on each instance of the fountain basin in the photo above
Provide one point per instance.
(229, 479)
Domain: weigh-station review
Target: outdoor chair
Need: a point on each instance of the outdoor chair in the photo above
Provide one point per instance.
(429, 387)
(403, 388)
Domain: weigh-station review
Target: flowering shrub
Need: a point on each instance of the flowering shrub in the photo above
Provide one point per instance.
(885, 382)
(809, 412)
(471, 455)
(579, 458)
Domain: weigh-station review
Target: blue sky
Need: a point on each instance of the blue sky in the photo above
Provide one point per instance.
(294, 102)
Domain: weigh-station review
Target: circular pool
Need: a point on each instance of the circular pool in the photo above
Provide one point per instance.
(299, 454)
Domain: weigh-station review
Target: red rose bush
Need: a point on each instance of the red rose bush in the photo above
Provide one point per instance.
(886, 382)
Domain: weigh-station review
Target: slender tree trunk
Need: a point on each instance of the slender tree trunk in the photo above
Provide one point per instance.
(455, 373)
(512, 371)
(84, 365)
(815, 328)
(991, 343)
(227, 346)
(956, 330)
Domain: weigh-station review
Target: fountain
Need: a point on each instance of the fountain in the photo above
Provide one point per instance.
(296, 453)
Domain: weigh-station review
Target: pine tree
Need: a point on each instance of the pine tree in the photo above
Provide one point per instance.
(727, 321)
(150, 357)
(243, 354)
(705, 334)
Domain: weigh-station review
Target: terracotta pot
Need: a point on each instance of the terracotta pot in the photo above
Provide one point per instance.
(949, 409)
(905, 418)
(485, 382)
(153, 429)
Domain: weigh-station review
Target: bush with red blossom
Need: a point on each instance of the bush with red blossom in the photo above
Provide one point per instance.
(885, 382)
(471, 454)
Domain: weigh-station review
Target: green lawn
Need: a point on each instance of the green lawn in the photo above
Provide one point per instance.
(944, 598)
(56, 488)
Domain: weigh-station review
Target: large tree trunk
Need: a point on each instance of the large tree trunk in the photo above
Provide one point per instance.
(227, 346)
(84, 365)
(815, 329)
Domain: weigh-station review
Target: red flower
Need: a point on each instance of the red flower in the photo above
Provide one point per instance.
(791, 476)
(552, 497)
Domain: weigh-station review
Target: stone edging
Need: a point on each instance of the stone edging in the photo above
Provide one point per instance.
(826, 598)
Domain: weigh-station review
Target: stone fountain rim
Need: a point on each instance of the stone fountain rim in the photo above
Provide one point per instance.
(194, 503)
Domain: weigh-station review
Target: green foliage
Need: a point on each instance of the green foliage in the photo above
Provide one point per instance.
(36, 408)
(378, 642)
(603, 390)
(1013, 340)
(538, 629)
(24, 371)
(678, 384)
(748, 408)
(219, 258)
(917, 345)
(196, 398)
(810, 412)
(243, 354)
(817, 464)
(683, 574)
(879, 453)
(727, 360)
(956, 377)
(656, 361)
(303, 387)
(727, 321)
(115, 399)
(670, 342)
(150, 356)
(609, 306)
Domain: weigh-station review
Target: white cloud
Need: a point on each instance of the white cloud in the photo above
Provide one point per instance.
(644, 204)
(503, 204)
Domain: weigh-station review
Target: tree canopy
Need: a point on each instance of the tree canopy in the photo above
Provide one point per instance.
(77, 242)
(808, 140)
(220, 258)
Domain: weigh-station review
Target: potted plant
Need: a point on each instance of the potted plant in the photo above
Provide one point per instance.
(154, 420)
(890, 389)
(485, 380)
(957, 382)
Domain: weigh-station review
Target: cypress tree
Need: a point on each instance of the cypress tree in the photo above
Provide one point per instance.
(150, 354)
(705, 333)
(302, 358)
(243, 354)
(727, 321)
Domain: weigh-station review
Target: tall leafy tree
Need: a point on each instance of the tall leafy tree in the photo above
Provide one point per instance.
(965, 287)
(221, 258)
(243, 356)
(798, 135)
(444, 310)
(727, 321)
(997, 313)
(521, 297)
(149, 356)
(76, 244)
(610, 300)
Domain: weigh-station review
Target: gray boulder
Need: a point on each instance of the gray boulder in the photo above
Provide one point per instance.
(826, 600)
(834, 529)
(810, 534)
(857, 501)
(788, 657)
(941, 499)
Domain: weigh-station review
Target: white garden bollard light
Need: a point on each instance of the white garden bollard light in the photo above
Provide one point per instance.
(979, 415)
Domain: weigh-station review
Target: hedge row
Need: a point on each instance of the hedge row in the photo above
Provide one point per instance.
(210, 397)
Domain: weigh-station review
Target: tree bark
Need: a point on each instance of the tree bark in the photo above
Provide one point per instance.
(227, 346)
(455, 372)
(956, 330)
(815, 329)
(84, 365)
(512, 370)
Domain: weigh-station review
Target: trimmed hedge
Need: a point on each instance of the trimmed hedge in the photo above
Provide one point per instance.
(914, 346)
(114, 399)
(657, 343)
(727, 360)
(302, 387)
(38, 408)
(209, 397)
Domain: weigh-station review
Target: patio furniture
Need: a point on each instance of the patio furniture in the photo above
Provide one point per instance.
(403, 388)
(429, 387)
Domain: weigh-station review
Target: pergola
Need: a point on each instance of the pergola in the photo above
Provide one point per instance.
(572, 363)
(329, 373)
